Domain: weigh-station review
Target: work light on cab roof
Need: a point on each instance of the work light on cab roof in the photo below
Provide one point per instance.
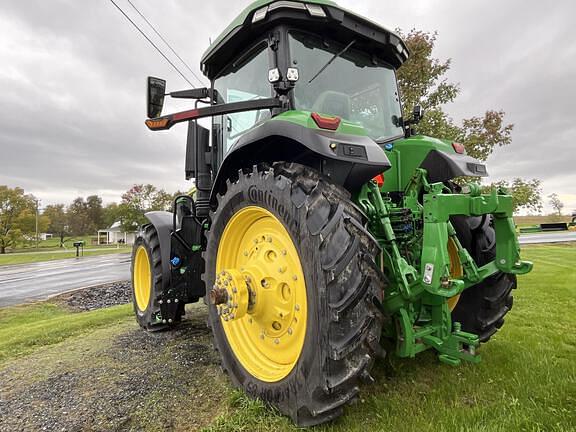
(323, 227)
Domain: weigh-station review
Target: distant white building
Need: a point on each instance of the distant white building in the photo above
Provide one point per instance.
(115, 235)
(41, 236)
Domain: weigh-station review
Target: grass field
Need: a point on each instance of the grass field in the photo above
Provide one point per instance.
(525, 382)
(522, 221)
(26, 328)
(31, 257)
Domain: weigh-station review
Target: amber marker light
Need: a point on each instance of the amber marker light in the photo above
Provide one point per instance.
(156, 124)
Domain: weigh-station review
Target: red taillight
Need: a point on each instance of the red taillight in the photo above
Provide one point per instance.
(379, 179)
(458, 148)
(324, 122)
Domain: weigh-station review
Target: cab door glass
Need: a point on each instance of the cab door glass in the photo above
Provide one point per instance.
(245, 79)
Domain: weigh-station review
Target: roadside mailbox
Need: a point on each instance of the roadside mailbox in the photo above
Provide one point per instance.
(79, 247)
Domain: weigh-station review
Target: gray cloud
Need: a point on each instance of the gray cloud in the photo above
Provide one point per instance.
(72, 79)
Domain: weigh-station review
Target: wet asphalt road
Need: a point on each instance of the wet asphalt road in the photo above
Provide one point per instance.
(551, 237)
(26, 282)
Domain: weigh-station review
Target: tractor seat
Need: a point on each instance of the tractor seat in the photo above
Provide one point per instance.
(333, 103)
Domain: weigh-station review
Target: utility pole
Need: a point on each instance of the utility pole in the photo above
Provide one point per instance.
(37, 204)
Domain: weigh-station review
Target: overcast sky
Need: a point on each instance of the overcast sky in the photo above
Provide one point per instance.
(72, 86)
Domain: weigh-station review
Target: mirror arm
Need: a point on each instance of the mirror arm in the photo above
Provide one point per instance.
(166, 122)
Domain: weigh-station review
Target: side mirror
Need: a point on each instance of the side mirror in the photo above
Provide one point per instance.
(155, 96)
(417, 114)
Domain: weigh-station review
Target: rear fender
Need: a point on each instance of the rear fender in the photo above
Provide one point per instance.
(163, 222)
(349, 160)
(442, 166)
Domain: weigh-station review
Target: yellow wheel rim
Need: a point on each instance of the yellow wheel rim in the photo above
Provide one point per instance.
(261, 279)
(142, 278)
(456, 270)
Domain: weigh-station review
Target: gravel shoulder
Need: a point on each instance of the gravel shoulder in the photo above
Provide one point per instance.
(97, 297)
(116, 378)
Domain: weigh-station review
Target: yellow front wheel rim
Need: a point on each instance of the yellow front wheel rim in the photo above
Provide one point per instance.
(456, 270)
(259, 273)
(142, 278)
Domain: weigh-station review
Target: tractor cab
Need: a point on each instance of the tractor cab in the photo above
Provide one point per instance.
(317, 58)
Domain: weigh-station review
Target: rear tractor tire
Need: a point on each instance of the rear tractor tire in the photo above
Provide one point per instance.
(482, 307)
(293, 290)
(146, 270)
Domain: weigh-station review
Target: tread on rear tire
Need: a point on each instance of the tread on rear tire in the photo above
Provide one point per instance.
(342, 283)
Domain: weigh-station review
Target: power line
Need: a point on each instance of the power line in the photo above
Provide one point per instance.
(152, 43)
(165, 41)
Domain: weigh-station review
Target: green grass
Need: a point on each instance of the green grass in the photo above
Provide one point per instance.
(53, 244)
(525, 382)
(24, 329)
(32, 257)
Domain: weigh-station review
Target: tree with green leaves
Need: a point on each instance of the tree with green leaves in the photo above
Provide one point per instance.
(16, 208)
(79, 219)
(140, 199)
(95, 211)
(526, 194)
(110, 214)
(58, 225)
(422, 80)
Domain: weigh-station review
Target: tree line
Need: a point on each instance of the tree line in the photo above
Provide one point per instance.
(20, 215)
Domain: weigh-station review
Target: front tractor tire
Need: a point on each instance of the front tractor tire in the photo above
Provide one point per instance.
(293, 291)
(146, 270)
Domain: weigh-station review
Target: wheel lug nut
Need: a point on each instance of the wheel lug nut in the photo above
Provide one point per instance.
(245, 253)
(290, 330)
(297, 307)
(276, 341)
(281, 269)
(294, 277)
(283, 251)
(269, 239)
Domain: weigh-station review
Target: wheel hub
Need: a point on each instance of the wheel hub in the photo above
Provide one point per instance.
(230, 294)
(261, 289)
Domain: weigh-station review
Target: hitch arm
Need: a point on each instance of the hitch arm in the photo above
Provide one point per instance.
(167, 121)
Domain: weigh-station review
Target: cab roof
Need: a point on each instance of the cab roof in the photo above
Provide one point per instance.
(319, 16)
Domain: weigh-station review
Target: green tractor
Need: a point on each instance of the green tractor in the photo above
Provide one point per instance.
(323, 229)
